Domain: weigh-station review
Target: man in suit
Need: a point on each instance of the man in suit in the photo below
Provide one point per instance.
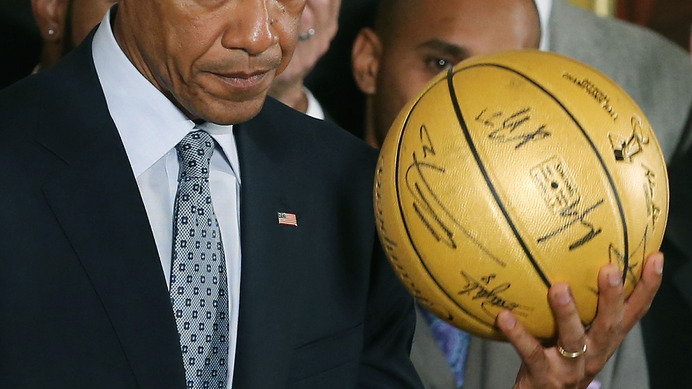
(413, 41)
(95, 229)
(658, 76)
(667, 325)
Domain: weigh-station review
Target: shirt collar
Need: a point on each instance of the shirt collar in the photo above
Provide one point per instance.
(149, 124)
(223, 135)
(544, 7)
(314, 107)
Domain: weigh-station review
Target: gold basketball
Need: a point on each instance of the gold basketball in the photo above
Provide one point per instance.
(512, 172)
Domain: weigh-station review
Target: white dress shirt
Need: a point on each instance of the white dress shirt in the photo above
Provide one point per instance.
(544, 7)
(150, 127)
(314, 107)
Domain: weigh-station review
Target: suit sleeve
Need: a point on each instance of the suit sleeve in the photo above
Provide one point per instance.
(389, 324)
(627, 367)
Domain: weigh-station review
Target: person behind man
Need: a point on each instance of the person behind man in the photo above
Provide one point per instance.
(655, 72)
(650, 68)
(658, 75)
(413, 41)
(64, 24)
(667, 326)
(318, 26)
(129, 160)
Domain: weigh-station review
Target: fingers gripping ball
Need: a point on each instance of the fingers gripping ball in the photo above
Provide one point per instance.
(512, 172)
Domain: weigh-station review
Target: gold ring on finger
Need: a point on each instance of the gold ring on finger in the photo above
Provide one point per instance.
(571, 355)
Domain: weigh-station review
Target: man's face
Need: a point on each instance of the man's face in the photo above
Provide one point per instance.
(430, 36)
(83, 16)
(215, 59)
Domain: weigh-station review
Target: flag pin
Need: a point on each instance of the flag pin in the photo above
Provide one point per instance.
(288, 219)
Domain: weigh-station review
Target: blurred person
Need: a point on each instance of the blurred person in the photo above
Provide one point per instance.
(413, 40)
(333, 71)
(318, 25)
(655, 72)
(658, 76)
(64, 24)
(667, 325)
(20, 37)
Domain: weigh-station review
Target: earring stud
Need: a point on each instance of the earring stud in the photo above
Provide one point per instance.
(51, 32)
(307, 35)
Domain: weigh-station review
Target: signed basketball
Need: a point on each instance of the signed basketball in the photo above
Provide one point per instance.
(512, 172)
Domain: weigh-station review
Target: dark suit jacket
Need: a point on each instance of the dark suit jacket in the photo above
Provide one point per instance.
(83, 300)
(668, 324)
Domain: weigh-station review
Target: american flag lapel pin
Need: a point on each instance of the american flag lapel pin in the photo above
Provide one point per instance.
(288, 219)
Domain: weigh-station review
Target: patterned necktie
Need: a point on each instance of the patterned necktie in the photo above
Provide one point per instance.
(198, 270)
(453, 342)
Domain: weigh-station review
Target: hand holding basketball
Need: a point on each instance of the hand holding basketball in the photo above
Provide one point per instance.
(546, 367)
(514, 172)
(517, 176)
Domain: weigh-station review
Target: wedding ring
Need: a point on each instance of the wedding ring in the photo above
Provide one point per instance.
(570, 355)
(307, 35)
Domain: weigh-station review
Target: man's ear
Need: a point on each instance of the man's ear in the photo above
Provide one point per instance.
(365, 60)
(50, 17)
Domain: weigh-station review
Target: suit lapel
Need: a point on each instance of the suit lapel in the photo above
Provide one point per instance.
(269, 276)
(97, 202)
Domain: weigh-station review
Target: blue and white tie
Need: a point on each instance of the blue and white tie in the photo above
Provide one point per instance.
(199, 292)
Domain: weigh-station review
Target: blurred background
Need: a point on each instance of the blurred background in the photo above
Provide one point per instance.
(20, 42)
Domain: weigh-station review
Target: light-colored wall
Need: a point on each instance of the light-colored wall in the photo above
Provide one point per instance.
(600, 7)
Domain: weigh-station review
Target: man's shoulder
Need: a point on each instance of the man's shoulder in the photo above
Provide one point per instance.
(316, 154)
(20, 90)
(51, 89)
(21, 104)
(316, 135)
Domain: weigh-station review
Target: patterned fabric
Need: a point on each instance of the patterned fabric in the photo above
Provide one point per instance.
(198, 270)
(453, 342)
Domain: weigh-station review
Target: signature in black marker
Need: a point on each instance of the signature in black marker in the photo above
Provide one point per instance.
(434, 215)
(575, 217)
(513, 128)
(491, 296)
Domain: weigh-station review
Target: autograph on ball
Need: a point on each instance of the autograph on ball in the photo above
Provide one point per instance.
(431, 211)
